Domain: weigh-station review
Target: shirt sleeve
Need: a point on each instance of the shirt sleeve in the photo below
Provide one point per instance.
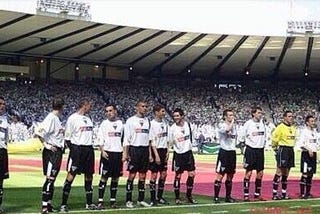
(275, 137)
(69, 129)
(242, 133)
(100, 134)
(152, 135)
(127, 134)
(45, 127)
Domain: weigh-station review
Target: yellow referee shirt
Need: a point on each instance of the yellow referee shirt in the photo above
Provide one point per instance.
(283, 135)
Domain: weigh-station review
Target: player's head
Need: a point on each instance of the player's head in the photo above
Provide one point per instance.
(159, 111)
(310, 121)
(178, 115)
(288, 117)
(141, 108)
(2, 105)
(57, 103)
(84, 105)
(257, 113)
(111, 111)
(228, 115)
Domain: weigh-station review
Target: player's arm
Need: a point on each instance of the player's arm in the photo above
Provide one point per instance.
(152, 146)
(100, 140)
(44, 129)
(126, 143)
(242, 136)
(67, 134)
(155, 152)
(275, 137)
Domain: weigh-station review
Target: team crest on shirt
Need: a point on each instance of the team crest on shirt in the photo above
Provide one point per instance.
(114, 125)
(0, 121)
(104, 172)
(182, 131)
(162, 126)
(309, 169)
(141, 122)
(85, 120)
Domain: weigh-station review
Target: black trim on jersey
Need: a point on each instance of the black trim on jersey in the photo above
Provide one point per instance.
(190, 132)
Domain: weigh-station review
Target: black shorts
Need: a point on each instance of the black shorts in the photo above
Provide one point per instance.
(183, 162)
(285, 157)
(51, 162)
(138, 159)
(4, 166)
(81, 160)
(253, 159)
(226, 162)
(113, 166)
(163, 166)
(308, 164)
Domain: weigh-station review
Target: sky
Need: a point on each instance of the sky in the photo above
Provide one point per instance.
(239, 17)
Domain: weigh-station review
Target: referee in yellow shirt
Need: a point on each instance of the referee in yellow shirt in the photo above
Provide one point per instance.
(283, 140)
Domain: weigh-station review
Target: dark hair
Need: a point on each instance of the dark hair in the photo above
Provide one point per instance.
(1, 98)
(308, 118)
(225, 112)
(157, 107)
(83, 102)
(57, 103)
(111, 105)
(286, 113)
(179, 110)
(140, 101)
(255, 109)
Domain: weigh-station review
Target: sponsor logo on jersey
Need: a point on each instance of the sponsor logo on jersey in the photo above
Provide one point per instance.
(164, 134)
(258, 133)
(114, 134)
(140, 130)
(86, 128)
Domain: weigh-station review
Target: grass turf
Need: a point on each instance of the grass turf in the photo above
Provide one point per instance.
(23, 193)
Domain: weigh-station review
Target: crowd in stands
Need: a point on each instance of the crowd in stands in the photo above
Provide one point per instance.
(203, 104)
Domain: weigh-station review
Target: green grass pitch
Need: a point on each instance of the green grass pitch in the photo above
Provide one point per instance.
(22, 194)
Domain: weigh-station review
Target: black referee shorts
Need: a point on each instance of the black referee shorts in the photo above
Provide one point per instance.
(285, 157)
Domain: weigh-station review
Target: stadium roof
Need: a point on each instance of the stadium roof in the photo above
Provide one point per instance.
(151, 51)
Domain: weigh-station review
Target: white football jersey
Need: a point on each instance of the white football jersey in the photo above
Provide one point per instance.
(136, 131)
(181, 137)
(79, 130)
(227, 138)
(52, 131)
(159, 134)
(253, 134)
(110, 135)
(309, 139)
(3, 131)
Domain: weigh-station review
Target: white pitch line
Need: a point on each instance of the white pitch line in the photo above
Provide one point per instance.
(190, 206)
(220, 211)
(294, 207)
